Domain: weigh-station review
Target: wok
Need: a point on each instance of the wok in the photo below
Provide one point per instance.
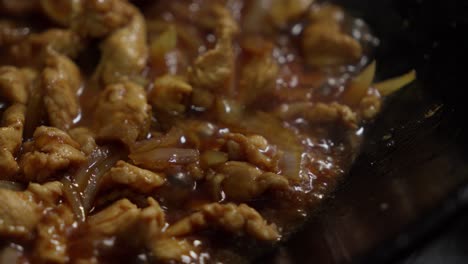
(411, 178)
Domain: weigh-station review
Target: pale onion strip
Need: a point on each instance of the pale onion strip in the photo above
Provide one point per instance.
(166, 156)
(74, 199)
(359, 86)
(394, 84)
(96, 173)
(82, 175)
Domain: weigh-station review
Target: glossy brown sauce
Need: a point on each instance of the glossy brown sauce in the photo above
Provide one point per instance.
(325, 151)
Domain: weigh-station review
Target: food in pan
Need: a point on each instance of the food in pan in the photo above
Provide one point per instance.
(174, 131)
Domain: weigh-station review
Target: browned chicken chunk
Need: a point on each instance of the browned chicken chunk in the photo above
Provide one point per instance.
(98, 18)
(51, 151)
(323, 42)
(13, 85)
(168, 94)
(321, 113)
(61, 80)
(85, 137)
(241, 181)
(52, 241)
(11, 137)
(134, 177)
(33, 50)
(21, 211)
(19, 7)
(235, 219)
(172, 249)
(254, 148)
(122, 113)
(124, 53)
(258, 77)
(284, 11)
(123, 219)
(214, 69)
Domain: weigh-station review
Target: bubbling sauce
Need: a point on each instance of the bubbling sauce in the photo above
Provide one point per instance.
(195, 131)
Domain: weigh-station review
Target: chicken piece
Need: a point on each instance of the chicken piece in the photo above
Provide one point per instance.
(51, 242)
(85, 138)
(19, 7)
(61, 11)
(123, 219)
(169, 94)
(324, 47)
(241, 181)
(35, 47)
(323, 42)
(141, 180)
(11, 137)
(61, 80)
(370, 106)
(330, 113)
(255, 149)
(116, 218)
(21, 211)
(98, 18)
(122, 113)
(13, 85)
(321, 113)
(258, 77)
(284, 11)
(50, 152)
(171, 249)
(8, 164)
(202, 99)
(327, 13)
(226, 25)
(214, 69)
(10, 254)
(232, 218)
(49, 193)
(11, 33)
(13, 88)
(124, 53)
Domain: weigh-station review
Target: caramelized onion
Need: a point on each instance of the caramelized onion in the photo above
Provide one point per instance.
(81, 177)
(34, 112)
(163, 157)
(74, 199)
(10, 185)
(211, 158)
(171, 139)
(87, 178)
(95, 174)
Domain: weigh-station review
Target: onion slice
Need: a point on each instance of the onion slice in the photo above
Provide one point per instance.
(392, 85)
(164, 157)
(359, 86)
(82, 186)
(95, 175)
(10, 185)
(74, 198)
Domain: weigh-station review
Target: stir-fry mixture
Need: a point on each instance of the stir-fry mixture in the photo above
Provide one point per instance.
(177, 131)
